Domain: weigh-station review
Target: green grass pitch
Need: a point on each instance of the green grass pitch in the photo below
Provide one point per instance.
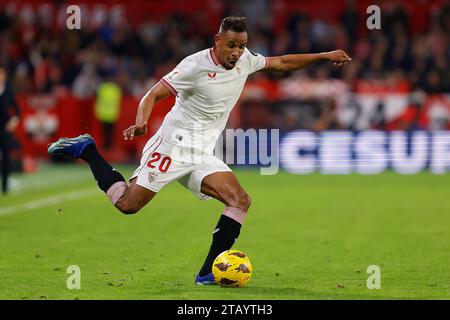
(308, 237)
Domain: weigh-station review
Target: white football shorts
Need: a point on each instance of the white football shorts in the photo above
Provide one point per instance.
(163, 162)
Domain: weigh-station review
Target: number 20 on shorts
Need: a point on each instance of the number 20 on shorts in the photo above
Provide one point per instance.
(163, 165)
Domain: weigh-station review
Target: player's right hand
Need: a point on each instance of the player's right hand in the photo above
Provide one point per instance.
(128, 134)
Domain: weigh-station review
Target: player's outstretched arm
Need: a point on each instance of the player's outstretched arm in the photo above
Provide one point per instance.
(291, 62)
(152, 97)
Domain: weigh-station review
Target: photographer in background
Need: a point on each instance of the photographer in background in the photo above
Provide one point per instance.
(9, 119)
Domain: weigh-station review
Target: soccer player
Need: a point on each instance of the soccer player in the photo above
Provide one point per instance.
(207, 85)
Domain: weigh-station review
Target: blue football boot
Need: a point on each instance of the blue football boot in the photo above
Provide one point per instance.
(71, 147)
(205, 280)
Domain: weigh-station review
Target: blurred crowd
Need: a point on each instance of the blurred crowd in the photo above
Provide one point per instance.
(44, 59)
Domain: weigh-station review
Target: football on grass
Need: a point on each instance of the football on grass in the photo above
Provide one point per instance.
(232, 268)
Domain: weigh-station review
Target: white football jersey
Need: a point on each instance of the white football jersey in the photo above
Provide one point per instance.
(205, 93)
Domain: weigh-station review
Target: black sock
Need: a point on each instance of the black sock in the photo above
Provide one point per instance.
(105, 175)
(226, 233)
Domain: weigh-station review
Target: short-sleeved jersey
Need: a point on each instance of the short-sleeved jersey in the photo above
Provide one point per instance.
(205, 93)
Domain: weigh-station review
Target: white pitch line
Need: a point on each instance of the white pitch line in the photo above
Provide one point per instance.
(41, 203)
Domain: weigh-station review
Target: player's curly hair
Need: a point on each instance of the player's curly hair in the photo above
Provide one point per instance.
(235, 24)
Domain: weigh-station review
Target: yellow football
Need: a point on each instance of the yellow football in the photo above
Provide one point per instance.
(232, 268)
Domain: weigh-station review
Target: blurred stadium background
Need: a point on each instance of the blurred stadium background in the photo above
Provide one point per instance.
(399, 78)
(387, 110)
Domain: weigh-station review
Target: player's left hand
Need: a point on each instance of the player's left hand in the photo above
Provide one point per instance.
(338, 57)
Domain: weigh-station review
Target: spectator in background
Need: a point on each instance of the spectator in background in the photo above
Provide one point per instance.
(86, 83)
(107, 109)
(140, 85)
(438, 113)
(433, 82)
(314, 114)
(353, 109)
(8, 123)
(5, 21)
(350, 20)
(378, 119)
(414, 117)
(326, 118)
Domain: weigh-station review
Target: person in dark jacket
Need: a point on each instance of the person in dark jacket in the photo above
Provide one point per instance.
(9, 119)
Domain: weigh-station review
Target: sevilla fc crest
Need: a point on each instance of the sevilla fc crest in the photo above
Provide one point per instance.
(152, 176)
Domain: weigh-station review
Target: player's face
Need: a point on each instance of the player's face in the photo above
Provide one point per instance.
(230, 47)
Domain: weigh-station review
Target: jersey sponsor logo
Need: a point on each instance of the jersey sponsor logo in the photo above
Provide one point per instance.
(212, 75)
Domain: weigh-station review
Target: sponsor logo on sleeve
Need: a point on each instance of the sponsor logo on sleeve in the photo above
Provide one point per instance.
(173, 74)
